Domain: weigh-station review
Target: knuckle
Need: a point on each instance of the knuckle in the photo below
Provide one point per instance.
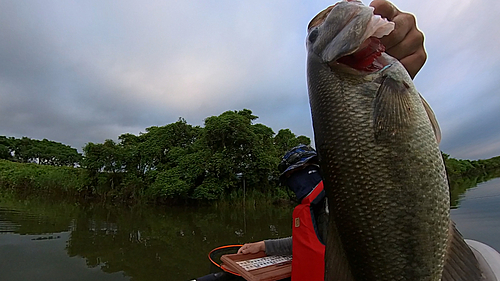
(416, 39)
(421, 36)
(422, 56)
(411, 18)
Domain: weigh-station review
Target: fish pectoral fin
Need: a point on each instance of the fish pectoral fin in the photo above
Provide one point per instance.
(392, 109)
(460, 262)
(432, 118)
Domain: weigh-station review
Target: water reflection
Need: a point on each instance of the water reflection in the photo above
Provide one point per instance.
(47, 239)
(127, 243)
(459, 186)
(478, 216)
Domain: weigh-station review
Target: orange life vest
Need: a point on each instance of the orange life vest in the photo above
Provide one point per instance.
(308, 262)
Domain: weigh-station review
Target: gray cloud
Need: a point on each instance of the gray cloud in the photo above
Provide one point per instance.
(460, 78)
(78, 72)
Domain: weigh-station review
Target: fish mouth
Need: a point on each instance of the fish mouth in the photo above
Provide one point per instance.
(368, 57)
(350, 36)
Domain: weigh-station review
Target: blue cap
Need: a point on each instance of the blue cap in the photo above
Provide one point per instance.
(296, 158)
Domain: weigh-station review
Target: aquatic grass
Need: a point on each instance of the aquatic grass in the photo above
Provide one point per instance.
(276, 196)
(40, 178)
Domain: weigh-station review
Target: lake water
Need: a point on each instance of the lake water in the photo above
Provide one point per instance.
(478, 213)
(42, 239)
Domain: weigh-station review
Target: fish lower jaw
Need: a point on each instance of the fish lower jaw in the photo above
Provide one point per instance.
(377, 65)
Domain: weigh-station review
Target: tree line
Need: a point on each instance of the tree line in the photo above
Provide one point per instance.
(45, 152)
(229, 157)
(457, 169)
(180, 161)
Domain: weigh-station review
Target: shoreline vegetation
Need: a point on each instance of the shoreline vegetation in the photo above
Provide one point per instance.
(228, 161)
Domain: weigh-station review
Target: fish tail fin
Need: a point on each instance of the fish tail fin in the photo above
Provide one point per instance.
(460, 263)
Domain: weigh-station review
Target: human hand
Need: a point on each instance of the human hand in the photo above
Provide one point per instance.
(252, 248)
(405, 42)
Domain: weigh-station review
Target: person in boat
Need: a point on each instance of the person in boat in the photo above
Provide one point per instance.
(300, 172)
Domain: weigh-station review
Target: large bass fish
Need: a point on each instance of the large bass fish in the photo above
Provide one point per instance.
(377, 141)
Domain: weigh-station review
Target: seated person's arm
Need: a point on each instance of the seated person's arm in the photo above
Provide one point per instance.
(281, 246)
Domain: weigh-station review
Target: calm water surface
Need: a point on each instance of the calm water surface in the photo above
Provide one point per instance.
(478, 213)
(42, 239)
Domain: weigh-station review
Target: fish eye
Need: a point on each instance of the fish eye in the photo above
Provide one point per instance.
(313, 35)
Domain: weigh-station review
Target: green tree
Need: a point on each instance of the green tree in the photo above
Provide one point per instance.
(240, 148)
(285, 140)
(23, 150)
(160, 140)
(55, 154)
(45, 152)
(106, 157)
(5, 148)
(180, 161)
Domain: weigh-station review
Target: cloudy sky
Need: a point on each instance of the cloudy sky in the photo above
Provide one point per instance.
(85, 71)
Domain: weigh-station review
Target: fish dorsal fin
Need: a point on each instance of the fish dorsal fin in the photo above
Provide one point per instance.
(460, 262)
(433, 119)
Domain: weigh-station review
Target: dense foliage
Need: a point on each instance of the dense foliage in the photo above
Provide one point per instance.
(470, 168)
(45, 152)
(229, 157)
(45, 178)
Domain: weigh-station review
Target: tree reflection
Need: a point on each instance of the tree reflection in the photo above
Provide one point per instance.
(458, 186)
(147, 245)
